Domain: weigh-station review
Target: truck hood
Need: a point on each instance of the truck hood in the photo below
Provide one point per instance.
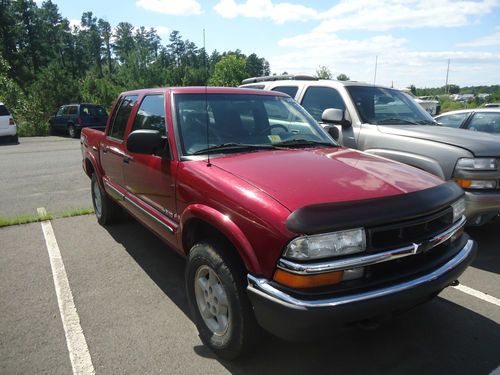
(300, 177)
(480, 144)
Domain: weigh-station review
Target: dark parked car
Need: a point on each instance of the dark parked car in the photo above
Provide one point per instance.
(478, 119)
(72, 118)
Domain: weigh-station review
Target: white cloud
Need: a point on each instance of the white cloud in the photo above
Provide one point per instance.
(279, 13)
(171, 7)
(397, 62)
(74, 22)
(390, 14)
(162, 30)
(488, 40)
(377, 15)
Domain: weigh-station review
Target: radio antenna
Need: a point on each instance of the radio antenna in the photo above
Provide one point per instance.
(207, 119)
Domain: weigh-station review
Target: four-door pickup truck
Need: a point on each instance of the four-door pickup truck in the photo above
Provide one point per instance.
(387, 122)
(281, 227)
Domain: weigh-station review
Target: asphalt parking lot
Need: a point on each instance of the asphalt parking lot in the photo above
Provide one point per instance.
(128, 291)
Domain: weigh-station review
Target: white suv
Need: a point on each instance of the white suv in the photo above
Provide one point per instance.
(8, 127)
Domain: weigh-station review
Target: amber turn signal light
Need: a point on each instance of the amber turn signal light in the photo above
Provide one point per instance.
(463, 183)
(307, 281)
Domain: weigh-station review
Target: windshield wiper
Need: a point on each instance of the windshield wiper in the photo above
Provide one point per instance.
(233, 146)
(396, 120)
(427, 122)
(297, 142)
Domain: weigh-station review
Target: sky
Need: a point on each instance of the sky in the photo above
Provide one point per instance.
(411, 40)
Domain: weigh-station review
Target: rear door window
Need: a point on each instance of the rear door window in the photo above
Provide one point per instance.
(317, 99)
(92, 110)
(120, 118)
(452, 120)
(151, 114)
(60, 111)
(290, 90)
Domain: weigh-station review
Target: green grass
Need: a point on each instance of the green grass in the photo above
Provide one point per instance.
(23, 219)
(76, 212)
(6, 221)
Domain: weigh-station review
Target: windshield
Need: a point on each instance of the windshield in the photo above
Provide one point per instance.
(381, 106)
(242, 123)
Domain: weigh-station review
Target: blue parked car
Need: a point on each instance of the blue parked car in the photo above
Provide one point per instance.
(72, 118)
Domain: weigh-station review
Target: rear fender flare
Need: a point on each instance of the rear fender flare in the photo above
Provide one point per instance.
(96, 166)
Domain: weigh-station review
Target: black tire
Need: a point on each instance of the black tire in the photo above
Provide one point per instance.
(72, 131)
(242, 329)
(106, 210)
(15, 139)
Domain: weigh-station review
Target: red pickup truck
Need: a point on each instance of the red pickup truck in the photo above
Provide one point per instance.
(281, 227)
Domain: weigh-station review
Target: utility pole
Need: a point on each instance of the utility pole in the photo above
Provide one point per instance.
(375, 75)
(447, 72)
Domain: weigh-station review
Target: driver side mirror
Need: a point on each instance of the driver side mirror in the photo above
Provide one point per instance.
(336, 116)
(149, 142)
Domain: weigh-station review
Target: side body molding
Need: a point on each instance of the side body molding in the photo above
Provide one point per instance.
(226, 226)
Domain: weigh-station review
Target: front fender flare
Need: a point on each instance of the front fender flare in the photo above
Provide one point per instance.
(228, 228)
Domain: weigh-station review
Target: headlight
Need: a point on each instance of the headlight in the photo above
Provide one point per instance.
(477, 164)
(327, 245)
(458, 209)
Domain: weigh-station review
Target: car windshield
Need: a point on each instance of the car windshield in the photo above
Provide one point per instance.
(381, 106)
(244, 123)
(93, 110)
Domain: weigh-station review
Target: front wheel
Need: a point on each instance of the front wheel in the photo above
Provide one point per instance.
(106, 210)
(215, 286)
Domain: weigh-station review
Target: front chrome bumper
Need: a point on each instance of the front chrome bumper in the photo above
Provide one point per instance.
(299, 317)
(263, 285)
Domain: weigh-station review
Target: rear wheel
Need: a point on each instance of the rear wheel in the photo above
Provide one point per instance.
(106, 210)
(15, 138)
(216, 290)
(73, 133)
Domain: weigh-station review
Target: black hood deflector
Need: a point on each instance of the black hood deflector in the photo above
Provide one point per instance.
(328, 217)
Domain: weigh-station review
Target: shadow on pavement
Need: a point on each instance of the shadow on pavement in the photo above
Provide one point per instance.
(435, 338)
(488, 238)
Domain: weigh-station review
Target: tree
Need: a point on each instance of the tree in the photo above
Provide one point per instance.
(323, 72)
(453, 89)
(343, 77)
(413, 89)
(229, 71)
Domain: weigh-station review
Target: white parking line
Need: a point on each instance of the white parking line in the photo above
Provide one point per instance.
(75, 339)
(478, 294)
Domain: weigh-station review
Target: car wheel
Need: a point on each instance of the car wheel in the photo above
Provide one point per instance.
(106, 210)
(73, 133)
(216, 290)
(15, 139)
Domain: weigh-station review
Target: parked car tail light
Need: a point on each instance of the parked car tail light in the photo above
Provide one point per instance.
(11, 121)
